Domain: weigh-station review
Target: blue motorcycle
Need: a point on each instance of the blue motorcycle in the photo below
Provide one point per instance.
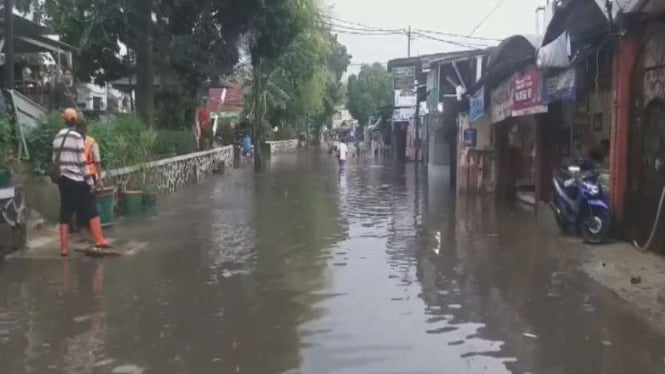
(580, 202)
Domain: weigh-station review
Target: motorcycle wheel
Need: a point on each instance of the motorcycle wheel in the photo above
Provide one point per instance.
(596, 227)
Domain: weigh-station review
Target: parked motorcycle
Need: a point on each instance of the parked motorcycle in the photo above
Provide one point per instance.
(579, 202)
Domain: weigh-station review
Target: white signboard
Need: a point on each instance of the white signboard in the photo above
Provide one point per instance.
(405, 98)
(404, 114)
(501, 106)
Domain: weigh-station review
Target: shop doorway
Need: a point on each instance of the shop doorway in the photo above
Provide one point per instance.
(400, 136)
(515, 143)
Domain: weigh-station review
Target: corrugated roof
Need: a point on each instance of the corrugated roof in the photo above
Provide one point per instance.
(457, 55)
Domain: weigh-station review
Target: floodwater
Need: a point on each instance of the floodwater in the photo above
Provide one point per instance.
(304, 269)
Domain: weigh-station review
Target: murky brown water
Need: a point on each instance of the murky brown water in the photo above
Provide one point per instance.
(305, 270)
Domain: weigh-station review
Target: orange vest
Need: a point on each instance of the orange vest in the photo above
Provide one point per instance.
(89, 154)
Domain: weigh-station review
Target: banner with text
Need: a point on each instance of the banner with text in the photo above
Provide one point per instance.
(523, 94)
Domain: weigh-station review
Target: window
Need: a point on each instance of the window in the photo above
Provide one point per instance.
(97, 103)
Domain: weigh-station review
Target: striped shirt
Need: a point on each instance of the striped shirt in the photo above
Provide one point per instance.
(72, 158)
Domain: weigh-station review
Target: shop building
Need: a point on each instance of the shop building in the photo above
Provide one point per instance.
(448, 79)
(638, 163)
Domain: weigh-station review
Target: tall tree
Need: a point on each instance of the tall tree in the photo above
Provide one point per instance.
(276, 26)
(145, 79)
(368, 91)
(192, 41)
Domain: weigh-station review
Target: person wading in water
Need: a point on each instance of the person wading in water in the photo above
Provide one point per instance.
(75, 183)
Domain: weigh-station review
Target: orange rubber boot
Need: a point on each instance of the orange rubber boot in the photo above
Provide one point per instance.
(98, 234)
(64, 240)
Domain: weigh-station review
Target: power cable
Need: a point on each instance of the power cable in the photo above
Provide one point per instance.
(491, 12)
(458, 35)
(368, 31)
(452, 42)
(364, 27)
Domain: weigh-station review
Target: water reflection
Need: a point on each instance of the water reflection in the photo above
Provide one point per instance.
(303, 269)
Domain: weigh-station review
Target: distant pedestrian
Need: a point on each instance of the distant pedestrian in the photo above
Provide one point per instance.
(342, 153)
(246, 145)
(75, 183)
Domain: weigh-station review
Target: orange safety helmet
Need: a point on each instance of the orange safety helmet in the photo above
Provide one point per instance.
(70, 115)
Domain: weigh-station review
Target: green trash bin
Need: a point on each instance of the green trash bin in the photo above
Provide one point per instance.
(149, 200)
(5, 177)
(105, 199)
(132, 203)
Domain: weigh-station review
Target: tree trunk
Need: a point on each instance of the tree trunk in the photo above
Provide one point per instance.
(257, 124)
(145, 94)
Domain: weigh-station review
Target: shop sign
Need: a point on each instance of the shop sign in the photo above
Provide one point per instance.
(404, 114)
(404, 77)
(477, 105)
(502, 101)
(528, 93)
(562, 87)
(470, 137)
(405, 98)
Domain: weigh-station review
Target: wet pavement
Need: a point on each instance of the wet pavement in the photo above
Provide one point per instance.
(302, 269)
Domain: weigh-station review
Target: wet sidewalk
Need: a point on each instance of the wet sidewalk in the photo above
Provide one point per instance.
(637, 277)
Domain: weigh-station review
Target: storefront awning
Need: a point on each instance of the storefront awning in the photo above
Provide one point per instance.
(580, 18)
(511, 55)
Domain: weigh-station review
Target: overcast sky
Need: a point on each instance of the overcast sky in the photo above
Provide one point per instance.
(452, 16)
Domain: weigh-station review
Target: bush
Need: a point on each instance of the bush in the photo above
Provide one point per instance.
(171, 143)
(40, 142)
(123, 141)
(7, 139)
(226, 134)
(284, 133)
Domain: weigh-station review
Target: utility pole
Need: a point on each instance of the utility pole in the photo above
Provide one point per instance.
(9, 44)
(408, 35)
(145, 92)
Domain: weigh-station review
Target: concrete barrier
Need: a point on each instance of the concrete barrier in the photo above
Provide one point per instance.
(172, 174)
(273, 147)
(167, 175)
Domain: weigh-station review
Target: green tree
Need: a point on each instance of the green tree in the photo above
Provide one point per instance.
(185, 42)
(277, 35)
(368, 91)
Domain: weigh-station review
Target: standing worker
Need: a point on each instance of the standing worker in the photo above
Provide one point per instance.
(75, 184)
(94, 162)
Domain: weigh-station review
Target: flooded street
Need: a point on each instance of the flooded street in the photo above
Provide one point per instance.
(303, 269)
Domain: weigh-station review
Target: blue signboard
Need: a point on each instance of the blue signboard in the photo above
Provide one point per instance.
(477, 105)
(562, 86)
(470, 137)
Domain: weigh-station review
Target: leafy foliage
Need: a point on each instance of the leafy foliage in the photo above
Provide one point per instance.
(298, 85)
(125, 141)
(7, 139)
(296, 62)
(368, 91)
(174, 143)
(40, 142)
